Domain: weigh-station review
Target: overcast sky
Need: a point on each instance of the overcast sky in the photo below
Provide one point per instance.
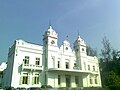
(29, 19)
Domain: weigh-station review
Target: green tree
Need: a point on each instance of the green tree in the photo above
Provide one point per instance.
(109, 64)
(90, 51)
(112, 79)
(106, 50)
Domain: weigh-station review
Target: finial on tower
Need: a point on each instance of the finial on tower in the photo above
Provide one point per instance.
(49, 22)
(78, 33)
(50, 27)
(78, 36)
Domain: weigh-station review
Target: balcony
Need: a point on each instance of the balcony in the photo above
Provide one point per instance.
(74, 70)
(94, 72)
(32, 67)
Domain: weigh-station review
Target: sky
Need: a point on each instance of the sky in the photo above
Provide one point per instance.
(29, 19)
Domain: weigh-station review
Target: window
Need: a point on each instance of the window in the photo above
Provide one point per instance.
(96, 82)
(35, 79)
(58, 64)
(88, 67)
(53, 61)
(26, 60)
(68, 80)
(93, 68)
(66, 48)
(24, 79)
(77, 50)
(58, 79)
(53, 57)
(82, 49)
(37, 62)
(75, 65)
(52, 42)
(67, 65)
(77, 80)
(90, 80)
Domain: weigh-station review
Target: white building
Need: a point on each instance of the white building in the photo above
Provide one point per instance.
(32, 65)
(2, 68)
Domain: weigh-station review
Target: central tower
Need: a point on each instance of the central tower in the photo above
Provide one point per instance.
(50, 37)
(80, 52)
(50, 40)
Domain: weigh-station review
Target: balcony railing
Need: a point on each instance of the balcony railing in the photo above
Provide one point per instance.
(76, 68)
(32, 67)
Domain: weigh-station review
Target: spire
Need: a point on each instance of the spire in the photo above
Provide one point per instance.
(49, 22)
(50, 27)
(78, 33)
(67, 37)
(78, 38)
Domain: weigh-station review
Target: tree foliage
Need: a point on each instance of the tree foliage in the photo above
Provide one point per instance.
(107, 50)
(90, 51)
(110, 64)
(111, 78)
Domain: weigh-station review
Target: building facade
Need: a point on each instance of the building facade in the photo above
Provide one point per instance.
(33, 65)
(3, 66)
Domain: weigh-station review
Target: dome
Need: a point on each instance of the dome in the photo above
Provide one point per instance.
(51, 32)
(80, 41)
(66, 43)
